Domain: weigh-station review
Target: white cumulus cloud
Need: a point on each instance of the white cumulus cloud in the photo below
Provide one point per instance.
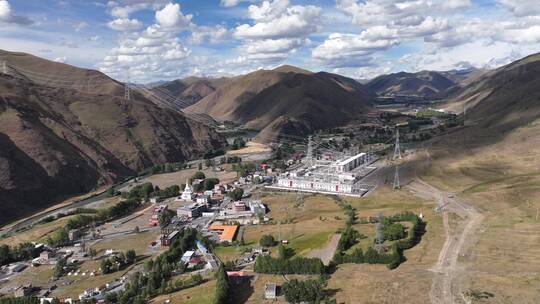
(124, 24)
(171, 17)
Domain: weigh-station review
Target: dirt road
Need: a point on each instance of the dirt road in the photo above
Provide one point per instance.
(445, 287)
(327, 252)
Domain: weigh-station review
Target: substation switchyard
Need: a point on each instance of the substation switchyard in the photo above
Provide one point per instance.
(342, 176)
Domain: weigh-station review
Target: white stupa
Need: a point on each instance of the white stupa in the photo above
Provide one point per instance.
(187, 194)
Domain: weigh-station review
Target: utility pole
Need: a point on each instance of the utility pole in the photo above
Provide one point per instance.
(397, 150)
(396, 178)
(127, 92)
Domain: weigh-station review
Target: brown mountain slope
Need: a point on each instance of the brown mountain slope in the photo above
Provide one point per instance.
(286, 100)
(422, 84)
(64, 135)
(504, 98)
(189, 90)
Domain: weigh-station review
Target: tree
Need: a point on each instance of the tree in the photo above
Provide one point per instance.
(92, 252)
(59, 267)
(209, 183)
(198, 175)
(236, 194)
(284, 252)
(267, 240)
(165, 217)
(106, 266)
(111, 192)
(131, 256)
(197, 279)
(393, 232)
(222, 286)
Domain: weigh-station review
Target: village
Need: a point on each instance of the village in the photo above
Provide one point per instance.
(229, 211)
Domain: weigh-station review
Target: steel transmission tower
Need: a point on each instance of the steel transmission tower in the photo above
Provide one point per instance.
(127, 92)
(396, 178)
(4, 67)
(379, 236)
(397, 149)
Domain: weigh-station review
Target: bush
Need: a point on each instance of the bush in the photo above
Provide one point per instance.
(267, 240)
(309, 291)
(236, 194)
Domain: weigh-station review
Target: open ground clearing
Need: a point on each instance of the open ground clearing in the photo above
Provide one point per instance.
(251, 148)
(307, 223)
(179, 177)
(252, 292)
(411, 281)
(202, 294)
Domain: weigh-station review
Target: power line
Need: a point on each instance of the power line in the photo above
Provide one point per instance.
(127, 90)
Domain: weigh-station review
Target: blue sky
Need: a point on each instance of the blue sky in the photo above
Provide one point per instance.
(160, 39)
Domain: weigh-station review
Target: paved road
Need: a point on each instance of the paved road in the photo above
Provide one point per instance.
(29, 221)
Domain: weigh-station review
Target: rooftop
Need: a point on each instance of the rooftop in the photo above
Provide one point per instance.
(229, 231)
(350, 159)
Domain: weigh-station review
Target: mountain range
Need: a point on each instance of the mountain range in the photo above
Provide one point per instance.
(66, 130)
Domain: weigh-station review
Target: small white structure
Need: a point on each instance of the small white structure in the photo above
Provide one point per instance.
(350, 163)
(187, 256)
(257, 207)
(187, 194)
(202, 199)
(270, 291)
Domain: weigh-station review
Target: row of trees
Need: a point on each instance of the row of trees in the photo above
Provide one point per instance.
(21, 300)
(21, 252)
(168, 167)
(297, 265)
(120, 209)
(139, 192)
(170, 191)
(118, 262)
